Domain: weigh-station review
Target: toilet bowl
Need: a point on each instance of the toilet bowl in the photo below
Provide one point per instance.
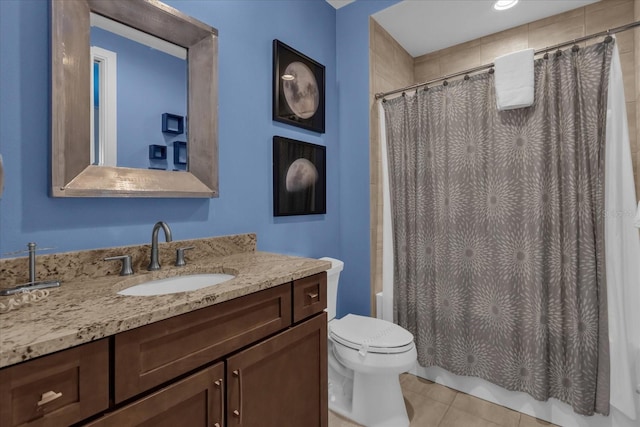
(366, 357)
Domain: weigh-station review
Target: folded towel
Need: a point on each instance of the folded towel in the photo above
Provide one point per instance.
(514, 80)
(636, 221)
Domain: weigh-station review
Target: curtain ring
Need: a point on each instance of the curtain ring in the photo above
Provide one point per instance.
(546, 55)
(466, 77)
(426, 88)
(384, 100)
(608, 39)
(575, 48)
(491, 70)
(404, 93)
(445, 83)
(558, 53)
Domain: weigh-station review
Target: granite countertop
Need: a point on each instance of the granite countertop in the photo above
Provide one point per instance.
(87, 309)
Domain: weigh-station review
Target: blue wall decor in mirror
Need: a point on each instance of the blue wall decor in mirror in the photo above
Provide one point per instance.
(179, 152)
(172, 123)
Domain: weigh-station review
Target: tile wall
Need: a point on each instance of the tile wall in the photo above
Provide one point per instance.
(384, 63)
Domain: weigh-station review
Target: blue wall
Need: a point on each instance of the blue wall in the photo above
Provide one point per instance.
(150, 83)
(339, 40)
(352, 53)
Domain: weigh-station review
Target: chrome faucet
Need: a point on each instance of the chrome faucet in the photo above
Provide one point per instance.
(154, 264)
(32, 284)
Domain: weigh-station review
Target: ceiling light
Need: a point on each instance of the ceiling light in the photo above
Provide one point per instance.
(504, 4)
(287, 77)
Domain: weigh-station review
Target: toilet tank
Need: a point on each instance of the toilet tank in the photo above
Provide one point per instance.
(333, 275)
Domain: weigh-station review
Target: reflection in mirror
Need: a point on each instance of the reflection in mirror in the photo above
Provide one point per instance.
(74, 172)
(136, 78)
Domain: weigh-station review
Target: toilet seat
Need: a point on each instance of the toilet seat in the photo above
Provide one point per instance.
(370, 335)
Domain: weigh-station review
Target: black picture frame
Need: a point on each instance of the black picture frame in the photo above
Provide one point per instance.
(303, 108)
(299, 177)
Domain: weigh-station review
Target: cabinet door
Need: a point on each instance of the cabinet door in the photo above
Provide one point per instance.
(196, 401)
(281, 381)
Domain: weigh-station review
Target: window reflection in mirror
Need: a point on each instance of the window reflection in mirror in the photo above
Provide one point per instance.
(136, 78)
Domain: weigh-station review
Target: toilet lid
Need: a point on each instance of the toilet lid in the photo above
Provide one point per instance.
(367, 334)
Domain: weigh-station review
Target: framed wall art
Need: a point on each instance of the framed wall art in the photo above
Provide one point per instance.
(299, 177)
(298, 88)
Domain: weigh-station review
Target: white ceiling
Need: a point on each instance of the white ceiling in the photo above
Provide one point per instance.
(423, 26)
(339, 3)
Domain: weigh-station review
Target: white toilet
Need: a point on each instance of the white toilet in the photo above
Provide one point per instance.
(366, 357)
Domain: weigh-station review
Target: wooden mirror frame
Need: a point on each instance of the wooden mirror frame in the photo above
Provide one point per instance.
(72, 173)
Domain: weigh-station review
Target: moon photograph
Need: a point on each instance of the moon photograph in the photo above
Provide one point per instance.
(301, 92)
(301, 175)
(298, 89)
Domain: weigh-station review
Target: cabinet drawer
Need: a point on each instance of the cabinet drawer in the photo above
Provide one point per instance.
(195, 401)
(59, 389)
(309, 296)
(154, 354)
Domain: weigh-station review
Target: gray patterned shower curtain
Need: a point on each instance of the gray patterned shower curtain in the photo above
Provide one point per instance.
(498, 229)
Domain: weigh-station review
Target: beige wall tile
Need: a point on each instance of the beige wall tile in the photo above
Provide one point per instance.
(615, 14)
(556, 31)
(557, 19)
(627, 61)
(459, 60)
(510, 33)
(427, 70)
(604, 18)
(383, 43)
(516, 41)
(603, 4)
(633, 131)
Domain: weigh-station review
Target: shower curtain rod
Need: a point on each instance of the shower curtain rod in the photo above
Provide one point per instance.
(485, 66)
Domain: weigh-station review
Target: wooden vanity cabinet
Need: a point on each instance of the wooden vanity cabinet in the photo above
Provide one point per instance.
(260, 359)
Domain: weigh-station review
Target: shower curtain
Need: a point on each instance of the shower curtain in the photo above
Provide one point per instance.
(498, 229)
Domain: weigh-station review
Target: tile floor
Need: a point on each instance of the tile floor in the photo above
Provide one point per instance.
(434, 405)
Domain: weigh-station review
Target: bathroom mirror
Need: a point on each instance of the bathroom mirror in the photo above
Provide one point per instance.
(73, 175)
(136, 79)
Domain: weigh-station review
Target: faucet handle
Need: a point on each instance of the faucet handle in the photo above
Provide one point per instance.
(180, 256)
(126, 269)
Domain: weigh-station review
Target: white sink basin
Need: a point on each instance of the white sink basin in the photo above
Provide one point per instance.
(176, 284)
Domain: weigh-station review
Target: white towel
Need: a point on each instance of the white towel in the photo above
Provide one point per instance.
(636, 222)
(514, 80)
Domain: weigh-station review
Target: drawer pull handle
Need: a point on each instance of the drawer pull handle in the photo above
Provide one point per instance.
(48, 397)
(312, 296)
(218, 383)
(238, 412)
